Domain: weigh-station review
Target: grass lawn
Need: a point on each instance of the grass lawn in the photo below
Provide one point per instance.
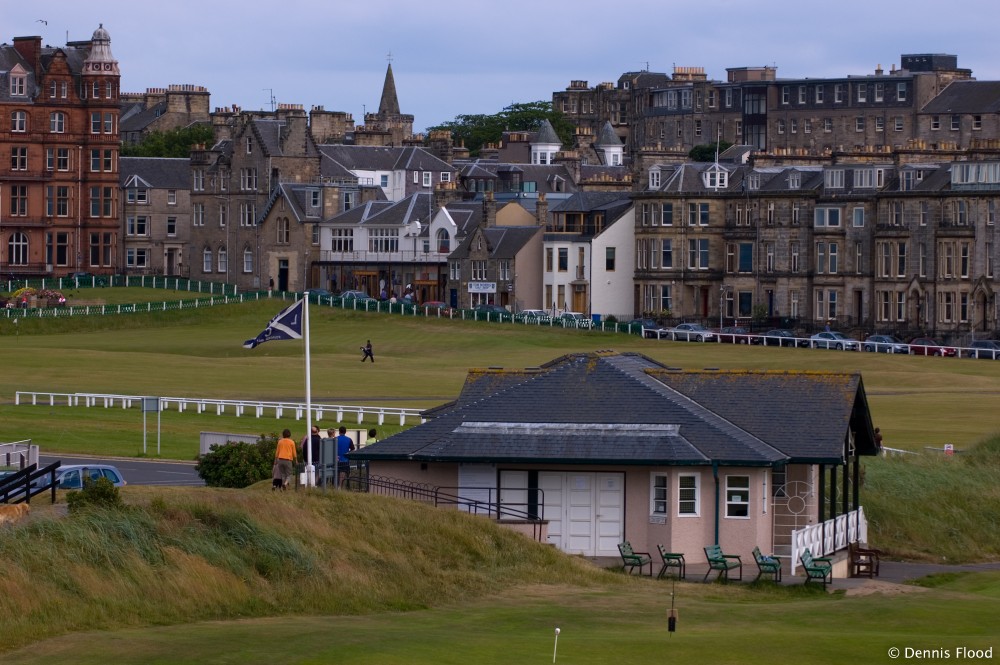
(741, 626)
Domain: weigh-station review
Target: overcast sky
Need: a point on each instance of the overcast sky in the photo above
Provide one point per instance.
(451, 58)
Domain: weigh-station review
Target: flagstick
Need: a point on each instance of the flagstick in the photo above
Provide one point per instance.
(310, 469)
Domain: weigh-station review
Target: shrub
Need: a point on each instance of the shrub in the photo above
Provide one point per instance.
(238, 464)
(100, 493)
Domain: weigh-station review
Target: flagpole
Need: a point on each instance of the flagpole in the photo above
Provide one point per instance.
(310, 469)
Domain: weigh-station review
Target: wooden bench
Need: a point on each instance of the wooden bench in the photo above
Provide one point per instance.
(816, 568)
(671, 560)
(722, 563)
(767, 565)
(632, 559)
(863, 560)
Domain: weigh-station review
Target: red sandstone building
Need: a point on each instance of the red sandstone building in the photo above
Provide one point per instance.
(59, 209)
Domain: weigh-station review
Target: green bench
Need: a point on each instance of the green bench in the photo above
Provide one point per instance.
(671, 560)
(722, 563)
(816, 568)
(632, 559)
(767, 565)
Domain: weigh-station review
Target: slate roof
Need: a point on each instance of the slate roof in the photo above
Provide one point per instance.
(546, 134)
(608, 137)
(380, 158)
(966, 97)
(136, 119)
(504, 242)
(295, 195)
(157, 172)
(416, 207)
(600, 408)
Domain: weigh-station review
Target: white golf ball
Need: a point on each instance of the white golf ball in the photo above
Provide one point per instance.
(557, 631)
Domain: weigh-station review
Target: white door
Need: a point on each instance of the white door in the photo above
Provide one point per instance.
(585, 511)
(476, 483)
(514, 494)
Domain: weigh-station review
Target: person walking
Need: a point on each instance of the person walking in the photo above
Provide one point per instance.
(344, 445)
(366, 352)
(285, 457)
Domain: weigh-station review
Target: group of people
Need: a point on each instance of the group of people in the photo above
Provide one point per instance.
(287, 454)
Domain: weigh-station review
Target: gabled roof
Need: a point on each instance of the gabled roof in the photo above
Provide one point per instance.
(157, 172)
(966, 97)
(355, 158)
(416, 207)
(589, 201)
(504, 242)
(142, 118)
(601, 408)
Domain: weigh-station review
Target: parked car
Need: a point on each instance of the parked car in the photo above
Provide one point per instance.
(834, 340)
(319, 293)
(884, 344)
(575, 320)
(738, 335)
(360, 296)
(984, 348)
(783, 337)
(88, 278)
(70, 477)
(648, 327)
(486, 308)
(436, 304)
(692, 332)
(925, 346)
(533, 316)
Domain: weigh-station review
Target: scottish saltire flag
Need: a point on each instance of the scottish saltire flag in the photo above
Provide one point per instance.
(286, 325)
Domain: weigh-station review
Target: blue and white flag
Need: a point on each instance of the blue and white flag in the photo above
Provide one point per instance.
(286, 325)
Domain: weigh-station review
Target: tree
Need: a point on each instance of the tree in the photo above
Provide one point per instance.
(475, 131)
(171, 143)
(706, 152)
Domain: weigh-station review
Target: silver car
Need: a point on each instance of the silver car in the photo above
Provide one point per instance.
(885, 344)
(692, 332)
(70, 476)
(834, 340)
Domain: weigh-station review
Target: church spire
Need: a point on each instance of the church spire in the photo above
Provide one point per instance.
(389, 105)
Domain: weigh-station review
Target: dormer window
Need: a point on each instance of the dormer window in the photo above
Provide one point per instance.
(249, 145)
(654, 179)
(794, 180)
(716, 178)
(314, 198)
(18, 85)
(753, 181)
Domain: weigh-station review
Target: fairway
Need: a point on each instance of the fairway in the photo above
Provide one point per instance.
(916, 401)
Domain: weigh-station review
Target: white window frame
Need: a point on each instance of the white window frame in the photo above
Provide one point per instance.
(695, 499)
(737, 497)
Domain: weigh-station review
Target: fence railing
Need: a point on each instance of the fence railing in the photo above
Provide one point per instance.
(18, 454)
(830, 536)
(256, 408)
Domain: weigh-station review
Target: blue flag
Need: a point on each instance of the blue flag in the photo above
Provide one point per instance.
(286, 325)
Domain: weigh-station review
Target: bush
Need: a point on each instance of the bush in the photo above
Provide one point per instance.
(238, 464)
(98, 493)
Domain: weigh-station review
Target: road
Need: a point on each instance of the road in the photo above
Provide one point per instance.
(138, 471)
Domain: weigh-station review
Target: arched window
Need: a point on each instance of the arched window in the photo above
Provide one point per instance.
(443, 246)
(223, 260)
(206, 260)
(17, 249)
(247, 260)
(57, 122)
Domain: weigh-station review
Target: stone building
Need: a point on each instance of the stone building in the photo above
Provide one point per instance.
(156, 216)
(60, 193)
(162, 110)
(868, 245)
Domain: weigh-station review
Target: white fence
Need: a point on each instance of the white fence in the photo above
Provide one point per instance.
(830, 536)
(18, 454)
(256, 408)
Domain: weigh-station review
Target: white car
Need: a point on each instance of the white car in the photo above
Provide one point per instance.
(533, 316)
(692, 332)
(575, 320)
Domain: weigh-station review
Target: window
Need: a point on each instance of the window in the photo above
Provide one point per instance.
(18, 200)
(802, 94)
(738, 497)
(666, 298)
(897, 123)
(102, 202)
(827, 125)
(935, 122)
(19, 159)
(879, 123)
(198, 180)
(548, 259)
(838, 93)
(667, 212)
(426, 175)
(136, 257)
(666, 254)
(248, 179)
(859, 217)
(827, 217)
(807, 126)
(900, 92)
(780, 126)
(879, 92)
(137, 196)
(446, 176)
(171, 226)
(172, 197)
(786, 94)
(478, 270)
(281, 227)
(964, 260)
(18, 121)
(57, 122)
(247, 261)
(223, 260)
(794, 180)
(138, 225)
(833, 178)
(862, 92)
(609, 259)
(698, 254)
(383, 240)
(977, 122)
(654, 179)
(864, 178)
(833, 249)
(206, 260)
(198, 214)
(503, 269)
(223, 215)
(793, 126)
(901, 259)
(859, 123)
(658, 496)
(17, 249)
(17, 85)
(342, 240)
(697, 214)
(956, 122)
(794, 255)
(57, 201)
(858, 257)
(563, 264)
(746, 257)
(688, 496)
(248, 213)
(95, 122)
(769, 254)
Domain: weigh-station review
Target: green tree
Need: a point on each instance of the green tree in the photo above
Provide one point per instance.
(475, 131)
(171, 143)
(706, 152)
